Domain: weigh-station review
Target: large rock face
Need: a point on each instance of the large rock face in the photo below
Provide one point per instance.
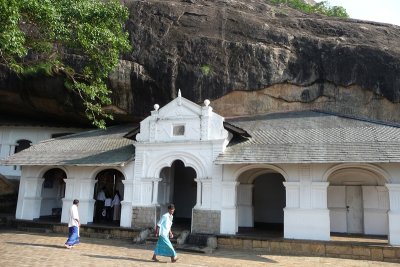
(246, 56)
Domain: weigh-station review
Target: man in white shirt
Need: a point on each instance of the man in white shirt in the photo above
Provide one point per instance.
(73, 225)
(163, 231)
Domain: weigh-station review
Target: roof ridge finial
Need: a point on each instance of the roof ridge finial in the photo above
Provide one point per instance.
(179, 93)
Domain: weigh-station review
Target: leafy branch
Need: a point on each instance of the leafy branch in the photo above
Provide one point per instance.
(36, 36)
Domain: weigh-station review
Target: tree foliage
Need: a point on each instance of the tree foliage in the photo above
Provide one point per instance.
(322, 8)
(38, 35)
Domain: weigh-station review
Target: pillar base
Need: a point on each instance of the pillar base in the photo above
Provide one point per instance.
(310, 224)
(394, 228)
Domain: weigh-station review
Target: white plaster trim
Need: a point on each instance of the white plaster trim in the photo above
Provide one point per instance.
(370, 167)
(267, 169)
(188, 159)
(93, 174)
(44, 169)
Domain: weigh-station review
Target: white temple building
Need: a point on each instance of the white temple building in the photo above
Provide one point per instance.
(310, 172)
(17, 134)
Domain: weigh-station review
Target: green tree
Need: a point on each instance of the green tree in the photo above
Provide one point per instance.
(38, 35)
(322, 8)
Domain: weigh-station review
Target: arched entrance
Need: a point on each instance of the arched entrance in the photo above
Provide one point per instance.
(358, 202)
(179, 187)
(53, 191)
(261, 200)
(109, 181)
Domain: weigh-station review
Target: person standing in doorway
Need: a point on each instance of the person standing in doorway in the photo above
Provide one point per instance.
(107, 206)
(100, 198)
(116, 207)
(73, 225)
(163, 232)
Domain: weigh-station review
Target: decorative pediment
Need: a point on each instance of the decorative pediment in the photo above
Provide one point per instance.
(181, 120)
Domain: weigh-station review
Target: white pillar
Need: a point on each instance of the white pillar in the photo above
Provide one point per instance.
(394, 214)
(245, 205)
(306, 217)
(126, 214)
(156, 182)
(206, 193)
(126, 204)
(198, 194)
(29, 199)
(229, 219)
(86, 201)
(81, 189)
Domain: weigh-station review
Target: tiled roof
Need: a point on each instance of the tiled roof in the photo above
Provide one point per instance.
(307, 136)
(92, 148)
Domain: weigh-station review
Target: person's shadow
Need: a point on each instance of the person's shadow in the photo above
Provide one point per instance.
(36, 245)
(116, 258)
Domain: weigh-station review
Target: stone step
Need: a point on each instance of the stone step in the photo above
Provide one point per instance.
(34, 229)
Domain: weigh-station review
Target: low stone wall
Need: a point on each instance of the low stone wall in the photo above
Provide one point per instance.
(100, 232)
(87, 230)
(332, 249)
(145, 217)
(206, 221)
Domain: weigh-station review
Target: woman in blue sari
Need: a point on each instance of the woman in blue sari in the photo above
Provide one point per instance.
(164, 233)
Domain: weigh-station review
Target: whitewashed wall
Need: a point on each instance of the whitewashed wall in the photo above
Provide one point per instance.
(80, 185)
(9, 135)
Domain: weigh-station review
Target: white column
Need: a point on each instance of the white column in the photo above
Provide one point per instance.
(205, 122)
(245, 205)
(198, 193)
(306, 217)
(86, 201)
(68, 198)
(394, 214)
(83, 190)
(29, 199)
(319, 195)
(292, 194)
(156, 182)
(206, 193)
(229, 219)
(126, 204)
(146, 191)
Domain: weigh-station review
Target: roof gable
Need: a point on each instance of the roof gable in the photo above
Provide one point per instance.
(181, 120)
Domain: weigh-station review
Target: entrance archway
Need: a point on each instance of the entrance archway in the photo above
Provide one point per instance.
(358, 202)
(261, 200)
(110, 182)
(179, 187)
(53, 191)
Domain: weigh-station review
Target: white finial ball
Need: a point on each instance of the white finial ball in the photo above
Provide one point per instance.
(207, 102)
(156, 107)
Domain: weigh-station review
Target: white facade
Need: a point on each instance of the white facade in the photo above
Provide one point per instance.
(10, 135)
(310, 200)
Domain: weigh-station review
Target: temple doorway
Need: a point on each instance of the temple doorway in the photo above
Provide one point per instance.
(261, 200)
(178, 186)
(108, 193)
(53, 192)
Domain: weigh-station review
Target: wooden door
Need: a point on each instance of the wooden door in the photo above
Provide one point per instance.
(354, 210)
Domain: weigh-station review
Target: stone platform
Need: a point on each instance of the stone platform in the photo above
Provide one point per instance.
(341, 246)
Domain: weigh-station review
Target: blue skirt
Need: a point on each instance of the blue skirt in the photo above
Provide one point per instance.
(73, 236)
(164, 248)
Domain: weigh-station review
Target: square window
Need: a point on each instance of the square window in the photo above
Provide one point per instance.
(178, 130)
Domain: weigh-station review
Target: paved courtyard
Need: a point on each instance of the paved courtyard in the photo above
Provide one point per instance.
(29, 249)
